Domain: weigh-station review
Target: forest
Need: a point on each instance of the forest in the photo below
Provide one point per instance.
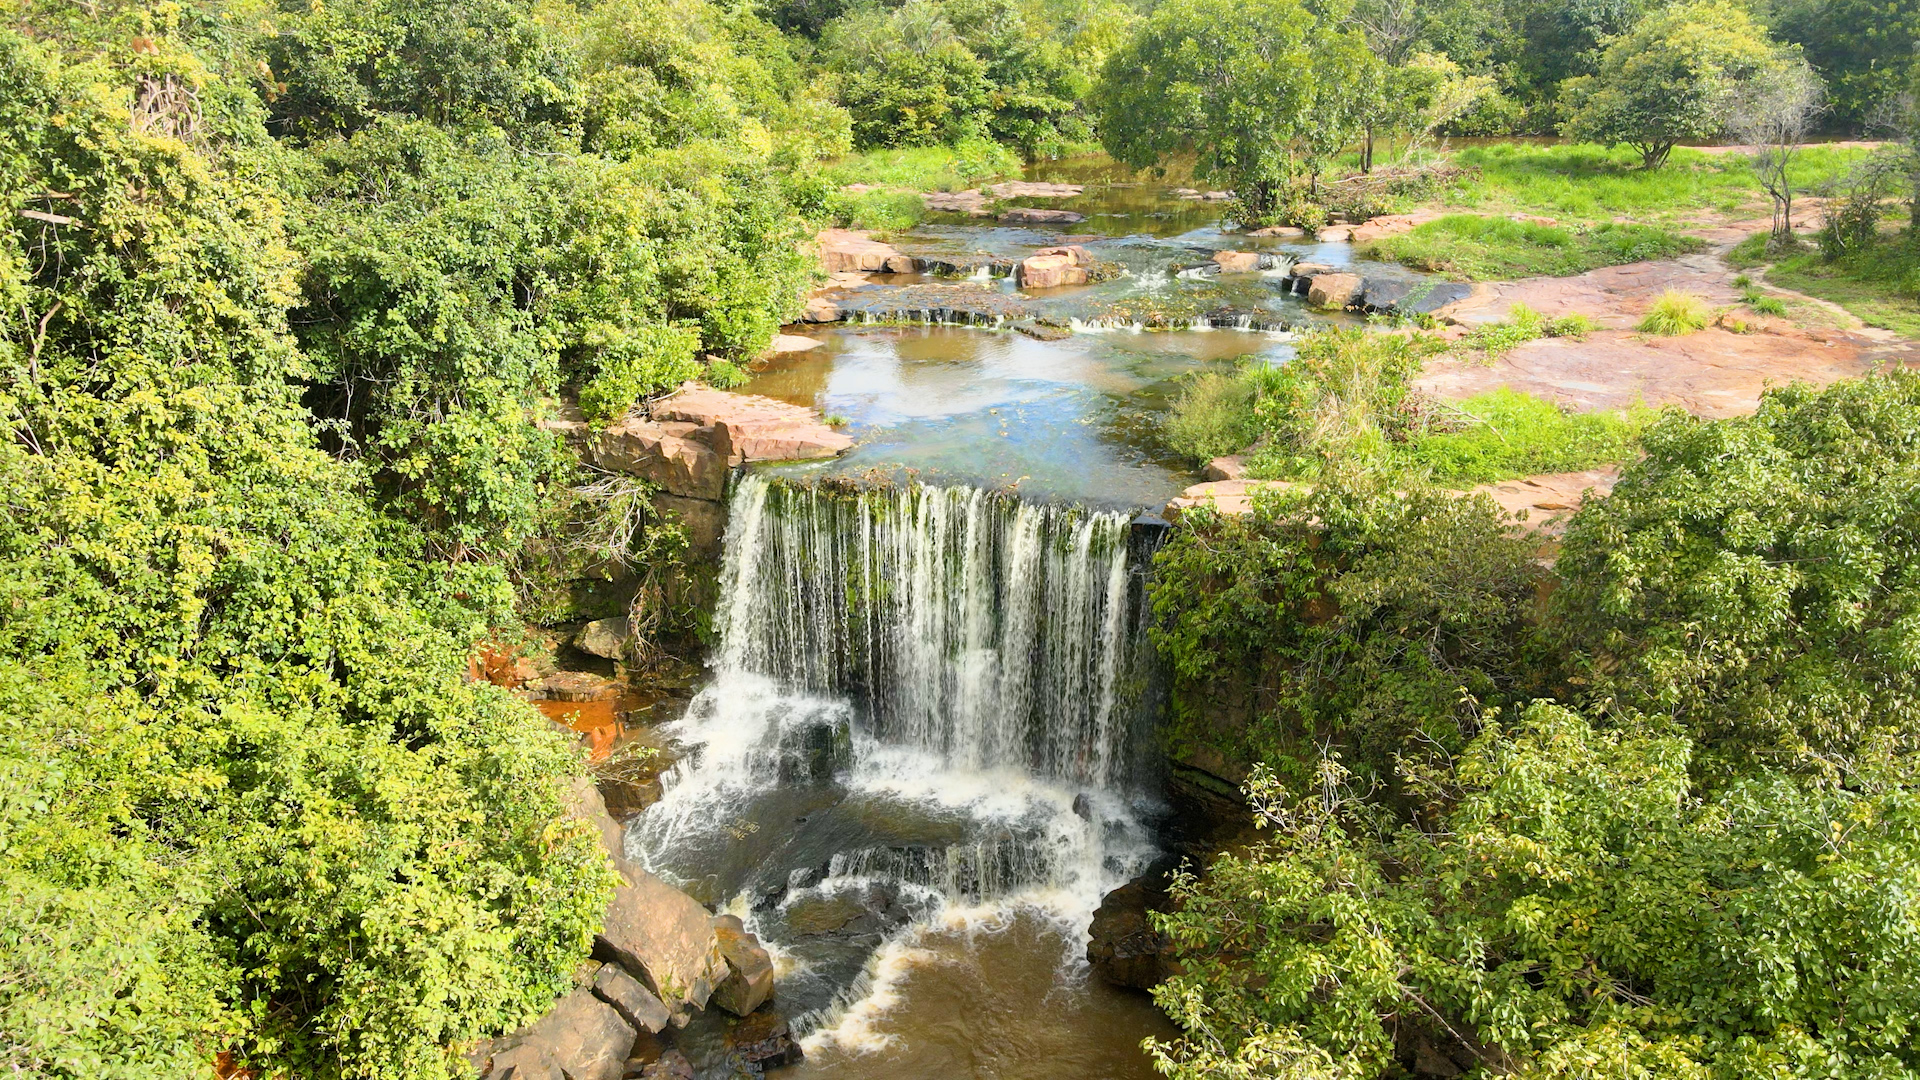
(290, 289)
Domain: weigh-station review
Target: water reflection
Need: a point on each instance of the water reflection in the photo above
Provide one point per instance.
(1071, 420)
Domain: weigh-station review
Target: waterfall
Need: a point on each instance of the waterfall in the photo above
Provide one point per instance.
(928, 704)
(985, 630)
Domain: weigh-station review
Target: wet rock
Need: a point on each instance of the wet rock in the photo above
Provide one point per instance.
(575, 686)
(1336, 291)
(647, 449)
(1333, 234)
(1309, 269)
(1237, 262)
(822, 309)
(664, 938)
(748, 427)
(585, 1036)
(792, 343)
(673, 1065)
(1122, 944)
(823, 914)
(635, 1003)
(604, 637)
(844, 250)
(749, 979)
(1083, 807)
(1411, 297)
(1231, 467)
(1026, 215)
(763, 1041)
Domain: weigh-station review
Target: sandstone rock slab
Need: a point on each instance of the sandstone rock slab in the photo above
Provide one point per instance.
(763, 1041)
(583, 1035)
(1051, 268)
(576, 686)
(1231, 467)
(851, 250)
(1237, 262)
(748, 427)
(1225, 496)
(651, 451)
(749, 979)
(1283, 231)
(1337, 291)
(664, 938)
(524, 1062)
(635, 1003)
(704, 520)
(1027, 215)
(1033, 189)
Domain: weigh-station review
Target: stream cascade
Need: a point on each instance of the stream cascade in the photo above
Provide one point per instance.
(930, 716)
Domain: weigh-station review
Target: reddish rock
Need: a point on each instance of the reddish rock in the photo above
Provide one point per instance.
(1334, 290)
(1225, 496)
(664, 938)
(748, 427)
(1232, 467)
(1388, 225)
(1333, 233)
(1286, 231)
(650, 450)
(1237, 262)
(845, 249)
(971, 202)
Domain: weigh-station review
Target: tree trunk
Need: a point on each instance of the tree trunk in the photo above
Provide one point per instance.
(1366, 156)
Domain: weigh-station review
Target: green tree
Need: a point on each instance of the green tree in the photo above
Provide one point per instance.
(1262, 93)
(1670, 79)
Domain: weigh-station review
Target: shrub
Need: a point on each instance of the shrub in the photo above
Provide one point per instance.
(1675, 313)
(638, 362)
(1213, 414)
(726, 374)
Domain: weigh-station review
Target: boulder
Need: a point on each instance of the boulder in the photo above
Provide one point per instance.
(604, 637)
(1026, 215)
(1232, 467)
(1309, 269)
(792, 343)
(748, 427)
(673, 1065)
(1337, 291)
(844, 250)
(1333, 234)
(1034, 189)
(1237, 262)
(583, 1035)
(749, 979)
(575, 686)
(651, 451)
(1048, 271)
(526, 1061)
(763, 1041)
(1122, 944)
(582, 799)
(822, 309)
(1411, 297)
(664, 938)
(635, 1003)
(1286, 231)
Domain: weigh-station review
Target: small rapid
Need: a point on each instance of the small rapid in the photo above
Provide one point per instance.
(929, 717)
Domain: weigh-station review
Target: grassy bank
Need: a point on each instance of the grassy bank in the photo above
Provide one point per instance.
(1880, 287)
(927, 168)
(1470, 247)
(1593, 185)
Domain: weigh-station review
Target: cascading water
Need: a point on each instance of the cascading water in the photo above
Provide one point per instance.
(927, 711)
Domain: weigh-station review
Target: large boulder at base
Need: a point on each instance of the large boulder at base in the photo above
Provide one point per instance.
(604, 637)
(749, 979)
(843, 250)
(1122, 944)
(1237, 262)
(635, 1003)
(584, 1035)
(526, 1061)
(667, 456)
(664, 938)
(1051, 268)
(1336, 291)
(748, 427)
(1027, 215)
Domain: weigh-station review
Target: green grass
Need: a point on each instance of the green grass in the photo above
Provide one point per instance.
(1881, 287)
(881, 211)
(927, 168)
(1474, 248)
(1585, 183)
(1676, 313)
(1508, 434)
(1523, 325)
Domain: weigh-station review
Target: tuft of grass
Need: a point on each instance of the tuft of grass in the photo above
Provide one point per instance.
(1508, 434)
(1880, 285)
(1474, 248)
(1743, 281)
(1525, 324)
(1676, 313)
(1769, 305)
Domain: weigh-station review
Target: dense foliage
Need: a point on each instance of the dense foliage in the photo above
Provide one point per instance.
(283, 292)
(1658, 825)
